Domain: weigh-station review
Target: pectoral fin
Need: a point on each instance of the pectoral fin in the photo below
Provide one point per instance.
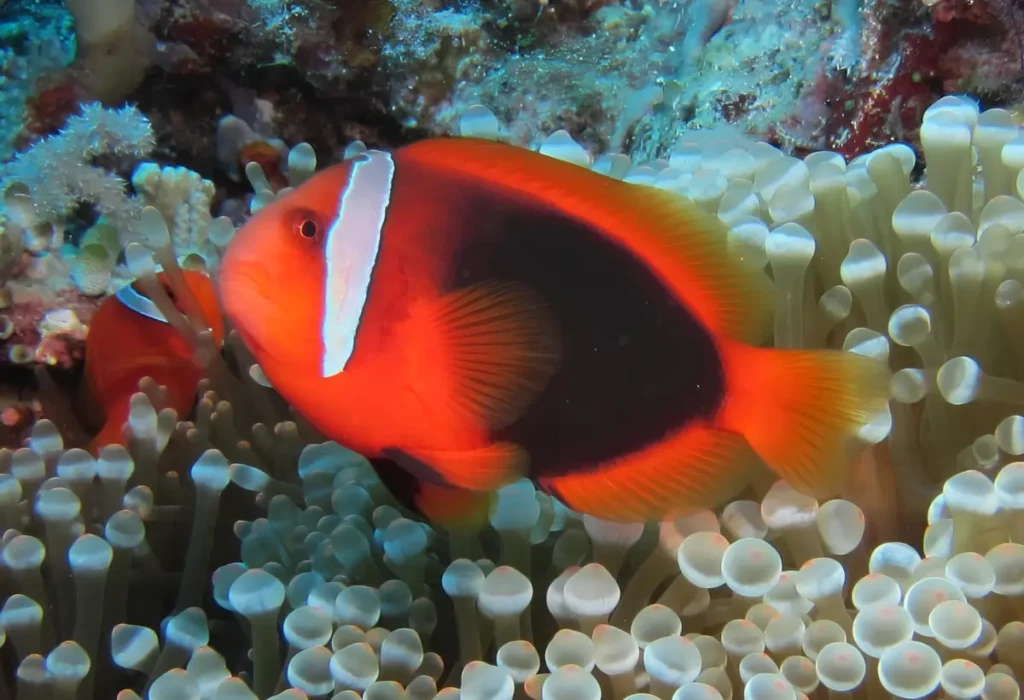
(480, 356)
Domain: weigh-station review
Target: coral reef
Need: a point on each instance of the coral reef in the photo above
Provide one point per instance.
(60, 172)
(36, 44)
(846, 75)
(841, 74)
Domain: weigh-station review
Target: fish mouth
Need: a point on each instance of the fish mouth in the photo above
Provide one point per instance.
(246, 297)
(241, 287)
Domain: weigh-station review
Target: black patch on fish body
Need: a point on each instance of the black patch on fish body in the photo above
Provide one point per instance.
(635, 363)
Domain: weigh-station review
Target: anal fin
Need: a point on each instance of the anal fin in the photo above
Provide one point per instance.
(455, 510)
(697, 467)
(482, 469)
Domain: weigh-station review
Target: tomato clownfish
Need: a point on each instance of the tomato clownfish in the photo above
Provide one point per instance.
(130, 338)
(477, 312)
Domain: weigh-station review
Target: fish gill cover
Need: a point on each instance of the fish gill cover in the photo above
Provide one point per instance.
(867, 154)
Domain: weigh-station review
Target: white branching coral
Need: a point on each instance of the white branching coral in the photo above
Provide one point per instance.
(61, 171)
(183, 197)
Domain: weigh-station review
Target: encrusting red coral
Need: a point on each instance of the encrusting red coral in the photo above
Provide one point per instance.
(912, 54)
(51, 106)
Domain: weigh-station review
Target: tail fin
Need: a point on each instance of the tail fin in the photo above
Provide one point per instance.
(115, 415)
(801, 409)
(111, 434)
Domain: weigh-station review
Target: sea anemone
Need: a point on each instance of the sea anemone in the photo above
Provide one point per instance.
(301, 576)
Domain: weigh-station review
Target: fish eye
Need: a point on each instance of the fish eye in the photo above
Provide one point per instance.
(307, 224)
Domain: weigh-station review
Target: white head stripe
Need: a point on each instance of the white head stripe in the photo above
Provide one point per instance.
(351, 248)
(139, 304)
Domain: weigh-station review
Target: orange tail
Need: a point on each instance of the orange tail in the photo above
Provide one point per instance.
(801, 409)
(112, 432)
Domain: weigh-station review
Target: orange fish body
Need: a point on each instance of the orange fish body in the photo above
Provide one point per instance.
(124, 346)
(478, 312)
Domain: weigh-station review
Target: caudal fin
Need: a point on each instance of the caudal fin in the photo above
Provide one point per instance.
(801, 409)
(112, 433)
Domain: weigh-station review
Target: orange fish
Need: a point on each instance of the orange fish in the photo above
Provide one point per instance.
(130, 339)
(478, 312)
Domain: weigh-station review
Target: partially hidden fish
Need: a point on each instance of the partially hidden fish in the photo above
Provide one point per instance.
(478, 313)
(129, 339)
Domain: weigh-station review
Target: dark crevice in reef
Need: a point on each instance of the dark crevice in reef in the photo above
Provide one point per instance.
(185, 110)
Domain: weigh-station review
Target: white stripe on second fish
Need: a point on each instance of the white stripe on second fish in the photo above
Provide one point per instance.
(138, 303)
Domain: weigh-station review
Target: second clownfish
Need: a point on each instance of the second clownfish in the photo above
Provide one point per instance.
(129, 339)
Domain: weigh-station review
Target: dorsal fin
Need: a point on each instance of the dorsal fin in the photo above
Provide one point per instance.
(685, 246)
